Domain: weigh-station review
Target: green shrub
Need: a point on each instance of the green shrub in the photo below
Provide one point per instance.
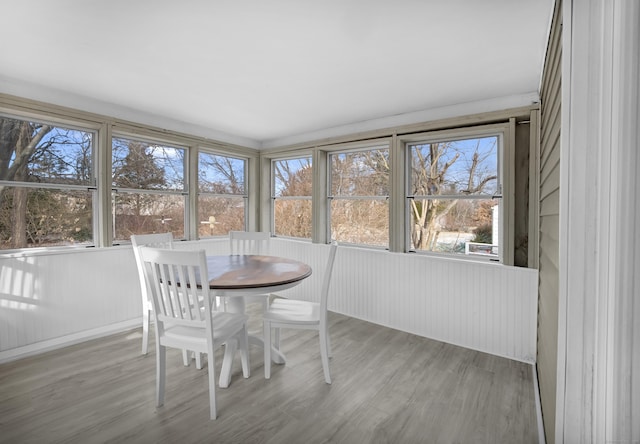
(483, 234)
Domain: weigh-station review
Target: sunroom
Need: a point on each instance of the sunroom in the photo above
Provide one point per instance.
(453, 189)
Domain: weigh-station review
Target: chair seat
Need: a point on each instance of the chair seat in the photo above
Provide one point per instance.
(293, 311)
(226, 324)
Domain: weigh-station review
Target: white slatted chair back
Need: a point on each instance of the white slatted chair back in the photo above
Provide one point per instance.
(249, 242)
(159, 240)
(175, 287)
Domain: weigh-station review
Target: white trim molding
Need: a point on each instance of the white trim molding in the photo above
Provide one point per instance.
(598, 392)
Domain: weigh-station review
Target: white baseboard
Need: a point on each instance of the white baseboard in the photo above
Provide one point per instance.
(64, 341)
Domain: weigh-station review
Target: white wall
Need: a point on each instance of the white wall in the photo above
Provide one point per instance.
(49, 300)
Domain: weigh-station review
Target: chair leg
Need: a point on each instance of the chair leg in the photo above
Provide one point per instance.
(185, 358)
(276, 339)
(160, 374)
(230, 348)
(324, 354)
(266, 336)
(145, 331)
(244, 352)
(211, 370)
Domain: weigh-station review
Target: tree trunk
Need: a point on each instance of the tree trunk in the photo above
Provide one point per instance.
(19, 226)
(20, 195)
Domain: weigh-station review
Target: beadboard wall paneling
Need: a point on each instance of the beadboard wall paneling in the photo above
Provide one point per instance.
(62, 297)
(483, 306)
(51, 300)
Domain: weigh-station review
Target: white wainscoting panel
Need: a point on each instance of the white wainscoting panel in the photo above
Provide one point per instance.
(49, 298)
(483, 306)
(52, 299)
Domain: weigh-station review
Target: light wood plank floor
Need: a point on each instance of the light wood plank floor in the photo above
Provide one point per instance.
(388, 387)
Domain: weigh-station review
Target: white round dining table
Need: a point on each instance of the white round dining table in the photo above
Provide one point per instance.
(234, 276)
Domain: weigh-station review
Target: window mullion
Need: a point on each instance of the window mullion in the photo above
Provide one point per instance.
(397, 212)
(358, 197)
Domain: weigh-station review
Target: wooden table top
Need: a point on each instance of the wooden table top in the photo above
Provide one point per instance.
(237, 272)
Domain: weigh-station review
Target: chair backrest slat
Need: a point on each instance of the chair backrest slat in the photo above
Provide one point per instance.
(249, 242)
(326, 281)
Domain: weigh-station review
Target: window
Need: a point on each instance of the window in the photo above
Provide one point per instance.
(47, 184)
(453, 193)
(222, 194)
(359, 196)
(291, 194)
(149, 188)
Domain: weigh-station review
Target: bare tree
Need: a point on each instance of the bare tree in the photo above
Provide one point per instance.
(431, 176)
(35, 153)
(228, 180)
(221, 183)
(293, 179)
(19, 141)
(360, 188)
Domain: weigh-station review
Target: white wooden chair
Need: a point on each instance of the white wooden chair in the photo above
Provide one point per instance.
(250, 242)
(156, 240)
(173, 278)
(297, 314)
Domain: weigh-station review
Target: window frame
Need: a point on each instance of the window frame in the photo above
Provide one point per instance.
(505, 167)
(259, 198)
(80, 125)
(272, 195)
(353, 147)
(245, 196)
(104, 128)
(183, 193)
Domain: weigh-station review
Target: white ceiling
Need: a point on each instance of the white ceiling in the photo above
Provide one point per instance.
(268, 72)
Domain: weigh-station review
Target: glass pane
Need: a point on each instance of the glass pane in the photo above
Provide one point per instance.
(141, 213)
(465, 167)
(293, 218)
(362, 173)
(36, 217)
(147, 166)
(363, 222)
(36, 152)
(219, 215)
(458, 226)
(221, 174)
(293, 177)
